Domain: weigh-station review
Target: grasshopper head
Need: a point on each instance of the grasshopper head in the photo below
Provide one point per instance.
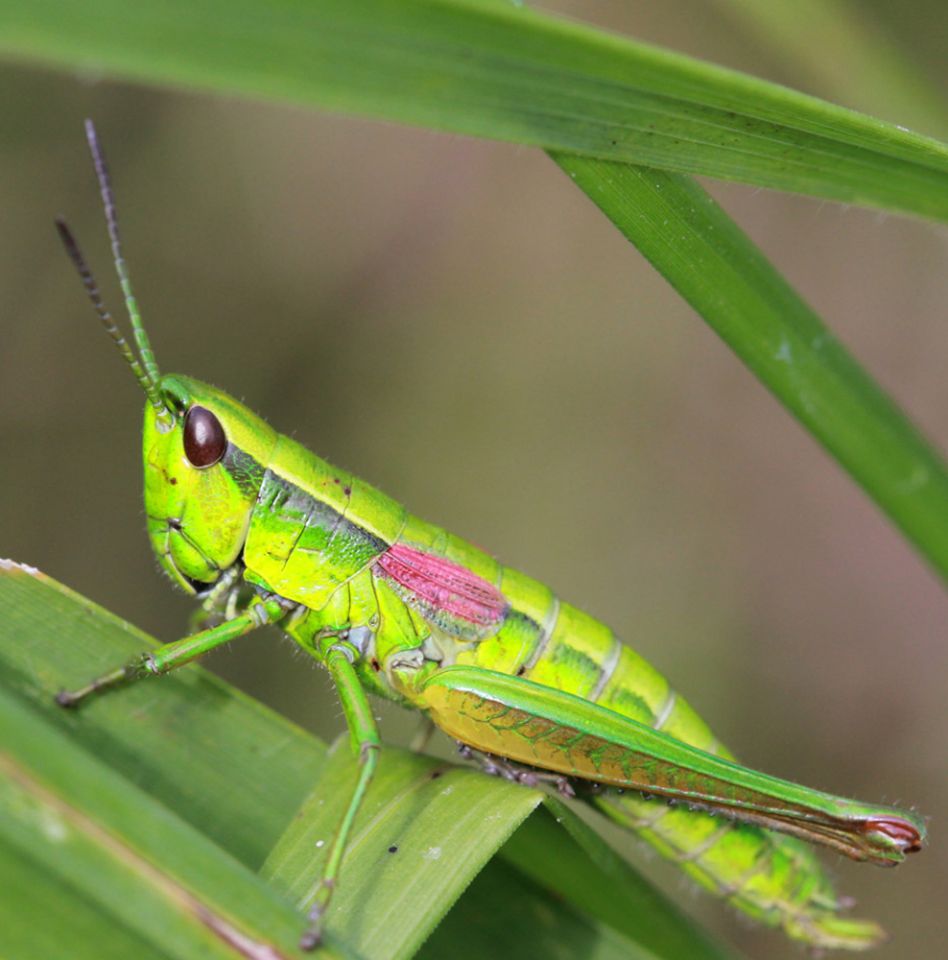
(204, 456)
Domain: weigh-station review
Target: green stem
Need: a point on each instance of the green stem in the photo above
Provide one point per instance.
(718, 270)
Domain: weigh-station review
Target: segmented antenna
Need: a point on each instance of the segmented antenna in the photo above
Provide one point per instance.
(92, 291)
(145, 370)
(111, 220)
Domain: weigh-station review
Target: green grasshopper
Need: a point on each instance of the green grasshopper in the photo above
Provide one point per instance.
(264, 532)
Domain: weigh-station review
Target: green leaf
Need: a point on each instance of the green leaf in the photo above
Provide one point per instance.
(40, 912)
(500, 71)
(527, 924)
(410, 850)
(178, 776)
(716, 268)
(183, 740)
(89, 829)
(597, 881)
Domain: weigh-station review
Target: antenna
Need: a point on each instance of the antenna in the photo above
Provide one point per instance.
(146, 369)
(111, 220)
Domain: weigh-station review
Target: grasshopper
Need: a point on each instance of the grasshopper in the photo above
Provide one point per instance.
(262, 531)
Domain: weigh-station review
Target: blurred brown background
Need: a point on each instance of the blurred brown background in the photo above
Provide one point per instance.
(453, 321)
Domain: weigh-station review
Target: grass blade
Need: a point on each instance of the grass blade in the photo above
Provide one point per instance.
(160, 879)
(527, 922)
(183, 740)
(600, 883)
(499, 71)
(410, 856)
(169, 738)
(34, 930)
(715, 267)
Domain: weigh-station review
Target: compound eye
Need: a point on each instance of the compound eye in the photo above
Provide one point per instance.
(204, 439)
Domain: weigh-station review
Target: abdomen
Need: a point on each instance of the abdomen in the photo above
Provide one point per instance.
(772, 877)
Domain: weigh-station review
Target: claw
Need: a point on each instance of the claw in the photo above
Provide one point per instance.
(564, 788)
(66, 699)
(313, 934)
(310, 940)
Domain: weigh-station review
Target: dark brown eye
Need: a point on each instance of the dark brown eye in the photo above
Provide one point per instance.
(204, 440)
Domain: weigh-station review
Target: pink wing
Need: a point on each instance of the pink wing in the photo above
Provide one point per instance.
(443, 586)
